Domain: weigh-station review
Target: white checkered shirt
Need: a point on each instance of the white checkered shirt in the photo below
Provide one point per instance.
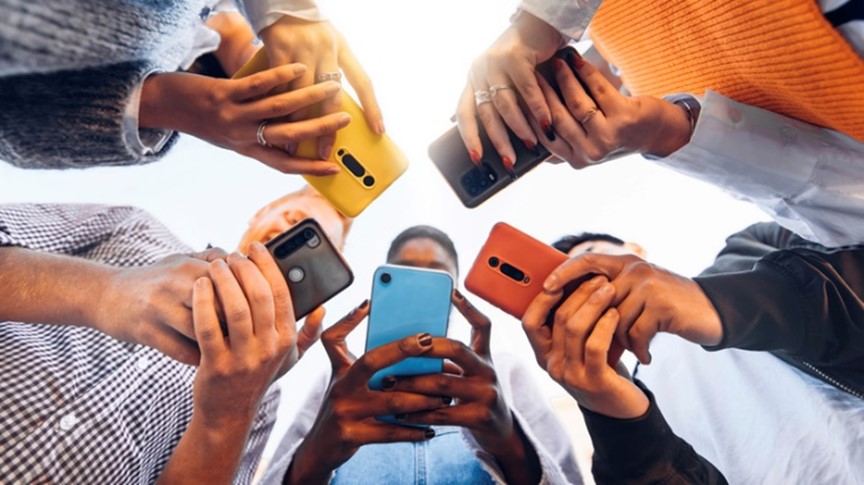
(77, 406)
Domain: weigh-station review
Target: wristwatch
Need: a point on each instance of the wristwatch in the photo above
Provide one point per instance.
(689, 104)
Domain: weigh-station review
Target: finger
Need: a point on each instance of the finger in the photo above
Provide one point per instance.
(208, 333)
(451, 368)
(333, 339)
(305, 80)
(582, 322)
(382, 403)
(285, 163)
(597, 347)
(328, 106)
(261, 83)
(491, 120)
(481, 326)
(464, 415)
(210, 254)
(282, 133)
(507, 104)
(600, 89)
(576, 100)
(258, 294)
(284, 104)
(461, 354)
(311, 330)
(523, 77)
(534, 324)
(238, 316)
(582, 265)
(376, 432)
(283, 308)
(386, 355)
(567, 127)
(362, 85)
(629, 309)
(173, 344)
(438, 385)
(577, 299)
(640, 334)
(466, 119)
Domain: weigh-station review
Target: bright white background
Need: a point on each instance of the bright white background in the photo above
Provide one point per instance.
(418, 55)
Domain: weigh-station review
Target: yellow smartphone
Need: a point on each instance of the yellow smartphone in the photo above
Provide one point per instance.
(369, 162)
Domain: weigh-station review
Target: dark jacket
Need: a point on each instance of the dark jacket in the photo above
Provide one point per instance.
(774, 291)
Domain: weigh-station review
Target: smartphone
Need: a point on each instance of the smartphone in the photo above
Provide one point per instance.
(475, 185)
(311, 264)
(510, 270)
(408, 301)
(369, 163)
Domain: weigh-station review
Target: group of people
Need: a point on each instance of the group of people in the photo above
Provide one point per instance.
(128, 357)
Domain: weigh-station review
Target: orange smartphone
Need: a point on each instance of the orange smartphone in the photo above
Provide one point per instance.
(510, 270)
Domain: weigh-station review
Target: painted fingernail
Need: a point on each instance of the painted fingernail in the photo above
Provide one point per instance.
(430, 433)
(458, 294)
(424, 339)
(531, 146)
(400, 416)
(559, 64)
(508, 165)
(577, 61)
(446, 400)
(475, 157)
(388, 382)
(364, 304)
(546, 125)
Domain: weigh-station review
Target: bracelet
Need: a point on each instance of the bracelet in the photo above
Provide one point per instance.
(690, 105)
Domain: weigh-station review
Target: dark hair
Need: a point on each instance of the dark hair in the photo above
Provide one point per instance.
(567, 243)
(421, 232)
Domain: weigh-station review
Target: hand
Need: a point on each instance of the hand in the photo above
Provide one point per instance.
(649, 300)
(152, 305)
(574, 350)
(511, 60)
(602, 122)
(228, 113)
(346, 420)
(321, 47)
(237, 368)
(480, 407)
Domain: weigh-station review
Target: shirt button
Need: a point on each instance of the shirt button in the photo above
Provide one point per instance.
(68, 422)
(143, 363)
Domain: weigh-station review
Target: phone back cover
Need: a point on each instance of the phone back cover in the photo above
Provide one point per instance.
(378, 154)
(535, 258)
(326, 272)
(415, 301)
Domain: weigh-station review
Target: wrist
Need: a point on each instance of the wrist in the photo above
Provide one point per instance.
(536, 32)
(163, 102)
(517, 457)
(100, 312)
(305, 469)
(672, 128)
(622, 402)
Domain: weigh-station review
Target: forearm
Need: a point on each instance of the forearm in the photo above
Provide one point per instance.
(42, 287)
(306, 467)
(207, 453)
(236, 46)
(570, 18)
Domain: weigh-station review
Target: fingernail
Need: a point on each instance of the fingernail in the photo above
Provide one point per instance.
(458, 294)
(220, 263)
(200, 282)
(364, 304)
(475, 157)
(508, 165)
(388, 382)
(379, 127)
(577, 61)
(333, 170)
(531, 146)
(559, 64)
(324, 152)
(344, 118)
(256, 246)
(299, 68)
(424, 339)
(446, 400)
(650, 358)
(546, 125)
(605, 289)
(430, 433)
(332, 87)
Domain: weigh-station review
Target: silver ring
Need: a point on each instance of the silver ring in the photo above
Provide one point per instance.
(482, 96)
(261, 140)
(493, 90)
(329, 76)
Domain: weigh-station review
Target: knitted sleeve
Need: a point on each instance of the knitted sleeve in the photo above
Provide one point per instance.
(71, 119)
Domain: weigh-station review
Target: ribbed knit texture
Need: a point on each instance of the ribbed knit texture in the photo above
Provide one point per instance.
(779, 55)
(68, 68)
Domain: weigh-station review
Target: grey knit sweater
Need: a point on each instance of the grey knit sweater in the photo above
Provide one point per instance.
(68, 67)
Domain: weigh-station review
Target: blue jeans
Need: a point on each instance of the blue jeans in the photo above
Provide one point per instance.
(445, 459)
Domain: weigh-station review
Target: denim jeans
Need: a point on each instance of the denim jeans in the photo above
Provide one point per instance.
(445, 459)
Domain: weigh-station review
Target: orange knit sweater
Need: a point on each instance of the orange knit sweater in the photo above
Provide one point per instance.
(780, 55)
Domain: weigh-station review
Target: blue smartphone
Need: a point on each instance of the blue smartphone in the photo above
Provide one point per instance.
(407, 301)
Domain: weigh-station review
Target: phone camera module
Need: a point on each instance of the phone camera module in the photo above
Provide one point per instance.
(513, 272)
(296, 274)
(493, 261)
(368, 181)
(308, 234)
(313, 241)
(386, 278)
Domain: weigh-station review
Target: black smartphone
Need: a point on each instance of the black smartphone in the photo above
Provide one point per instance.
(474, 185)
(311, 264)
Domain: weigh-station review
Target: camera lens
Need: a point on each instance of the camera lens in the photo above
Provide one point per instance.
(513, 272)
(493, 261)
(386, 278)
(353, 165)
(308, 234)
(368, 181)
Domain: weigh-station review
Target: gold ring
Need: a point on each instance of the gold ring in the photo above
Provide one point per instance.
(590, 114)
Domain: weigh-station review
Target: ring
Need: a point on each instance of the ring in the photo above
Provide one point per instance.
(329, 76)
(590, 114)
(482, 96)
(261, 140)
(493, 90)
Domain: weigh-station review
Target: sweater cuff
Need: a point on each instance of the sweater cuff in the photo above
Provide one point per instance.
(743, 301)
(142, 142)
(623, 448)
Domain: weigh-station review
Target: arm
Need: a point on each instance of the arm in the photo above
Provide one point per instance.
(644, 450)
(808, 178)
(570, 18)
